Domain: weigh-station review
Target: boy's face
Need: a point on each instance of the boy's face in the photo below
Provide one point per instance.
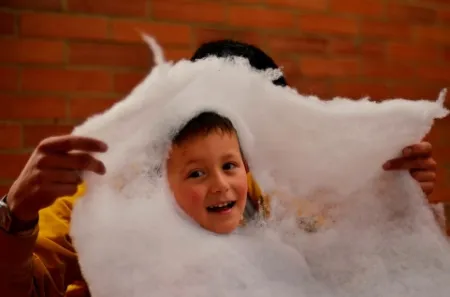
(209, 181)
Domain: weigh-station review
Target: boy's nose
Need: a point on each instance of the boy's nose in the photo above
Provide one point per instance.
(219, 183)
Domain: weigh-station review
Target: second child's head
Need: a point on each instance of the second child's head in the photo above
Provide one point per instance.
(207, 173)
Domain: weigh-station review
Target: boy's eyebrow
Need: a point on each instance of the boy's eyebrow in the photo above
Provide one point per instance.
(230, 155)
(191, 161)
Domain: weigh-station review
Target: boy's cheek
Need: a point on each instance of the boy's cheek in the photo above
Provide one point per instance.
(191, 199)
(242, 186)
(195, 197)
(241, 206)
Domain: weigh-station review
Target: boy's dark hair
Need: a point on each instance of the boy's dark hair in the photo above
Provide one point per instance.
(228, 48)
(203, 124)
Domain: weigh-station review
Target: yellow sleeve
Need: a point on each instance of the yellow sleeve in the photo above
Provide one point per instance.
(44, 263)
(54, 258)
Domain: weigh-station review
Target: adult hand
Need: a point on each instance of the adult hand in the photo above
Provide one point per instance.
(418, 160)
(51, 172)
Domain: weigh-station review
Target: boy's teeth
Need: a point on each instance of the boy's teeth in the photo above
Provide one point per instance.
(221, 205)
(225, 204)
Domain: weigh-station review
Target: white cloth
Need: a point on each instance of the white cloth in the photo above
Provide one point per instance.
(379, 237)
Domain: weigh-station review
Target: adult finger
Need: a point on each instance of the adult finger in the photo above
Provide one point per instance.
(69, 143)
(423, 149)
(59, 190)
(410, 163)
(420, 164)
(427, 187)
(71, 161)
(424, 175)
(61, 177)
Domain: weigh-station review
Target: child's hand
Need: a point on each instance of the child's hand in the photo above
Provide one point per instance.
(418, 160)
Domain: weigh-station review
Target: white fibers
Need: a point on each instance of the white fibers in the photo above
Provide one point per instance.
(379, 237)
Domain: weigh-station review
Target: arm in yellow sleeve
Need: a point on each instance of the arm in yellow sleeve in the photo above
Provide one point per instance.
(43, 264)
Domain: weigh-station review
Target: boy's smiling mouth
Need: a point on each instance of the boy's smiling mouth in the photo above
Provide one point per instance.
(223, 207)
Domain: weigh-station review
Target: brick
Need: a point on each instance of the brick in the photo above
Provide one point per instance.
(34, 134)
(411, 52)
(250, 37)
(35, 79)
(349, 47)
(372, 50)
(9, 78)
(343, 47)
(434, 34)
(322, 24)
(289, 67)
(442, 182)
(316, 5)
(411, 13)
(442, 157)
(387, 30)
(124, 82)
(10, 136)
(387, 70)
(250, 17)
(188, 11)
(438, 135)
(356, 90)
(441, 140)
(165, 34)
(110, 54)
(136, 8)
(293, 44)
(446, 51)
(322, 67)
(246, 1)
(33, 4)
(12, 165)
(81, 107)
(441, 191)
(31, 51)
(177, 54)
(414, 91)
(63, 26)
(7, 23)
(209, 34)
(16, 107)
(439, 74)
(438, 2)
(444, 16)
(366, 8)
(4, 189)
(316, 87)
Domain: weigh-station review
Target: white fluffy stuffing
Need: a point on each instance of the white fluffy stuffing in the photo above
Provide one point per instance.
(379, 237)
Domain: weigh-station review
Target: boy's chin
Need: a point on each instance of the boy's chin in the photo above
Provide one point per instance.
(223, 231)
(223, 223)
(224, 228)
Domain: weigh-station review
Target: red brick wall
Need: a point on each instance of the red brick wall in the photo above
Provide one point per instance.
(62, 60)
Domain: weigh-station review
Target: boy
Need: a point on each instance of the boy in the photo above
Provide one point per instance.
(207, 173)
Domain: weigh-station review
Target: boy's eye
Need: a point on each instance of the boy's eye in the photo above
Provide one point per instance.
(195, 174)
(228, 166)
